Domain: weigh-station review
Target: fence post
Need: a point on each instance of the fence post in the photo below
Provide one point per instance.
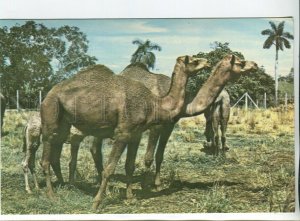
(246, 101)
(40, 98)
(18, 105)
(265, 100)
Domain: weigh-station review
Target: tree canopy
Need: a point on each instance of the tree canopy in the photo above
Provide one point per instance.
(144, 53)
(255, 83)
(34, 57)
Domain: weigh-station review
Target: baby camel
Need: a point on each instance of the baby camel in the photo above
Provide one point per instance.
(217, 115)
(31, 142)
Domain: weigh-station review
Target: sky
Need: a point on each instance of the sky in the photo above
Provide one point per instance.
(110, 40)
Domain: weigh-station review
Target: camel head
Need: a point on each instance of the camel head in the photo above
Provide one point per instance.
(192, 65)
(239, 66)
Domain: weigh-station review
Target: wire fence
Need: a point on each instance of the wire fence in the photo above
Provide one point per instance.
(33, 101)
(264, 101)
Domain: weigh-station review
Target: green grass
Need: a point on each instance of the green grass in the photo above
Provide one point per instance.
(256, 175)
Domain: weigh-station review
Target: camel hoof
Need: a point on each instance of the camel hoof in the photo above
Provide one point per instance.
(51, 195)
(129, 195)
(29, 191)
(95, 205)
(158, 188)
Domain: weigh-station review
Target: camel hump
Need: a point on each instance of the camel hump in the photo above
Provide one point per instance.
(97, 70)
(86, 76)
(159, 84)
(138, 65)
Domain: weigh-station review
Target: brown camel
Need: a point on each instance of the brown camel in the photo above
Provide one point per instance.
(230, 67)
(31, 142)
(102, 104)
(3, 106)
(217, 115)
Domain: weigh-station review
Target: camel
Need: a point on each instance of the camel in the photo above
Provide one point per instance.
(3, 106)
(217, 115)
(31, 142)
(229, 68)
(102, 104)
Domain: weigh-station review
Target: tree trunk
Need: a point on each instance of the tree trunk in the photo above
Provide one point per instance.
(276, 78)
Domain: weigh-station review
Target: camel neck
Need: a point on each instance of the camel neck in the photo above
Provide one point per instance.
(208, 92)
(173, 102)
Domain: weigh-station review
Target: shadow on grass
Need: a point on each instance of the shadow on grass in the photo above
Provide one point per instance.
(176, 186)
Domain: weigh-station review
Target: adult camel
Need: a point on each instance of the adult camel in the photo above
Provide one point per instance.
(230, 67)
(102, 104)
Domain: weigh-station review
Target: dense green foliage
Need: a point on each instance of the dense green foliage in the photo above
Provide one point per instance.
(144, 53)
(34, 57)
(289, 78)
(256, 83)
(286, 84)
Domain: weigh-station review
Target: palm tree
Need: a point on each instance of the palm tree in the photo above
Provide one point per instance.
(143, 53)
(279, 38)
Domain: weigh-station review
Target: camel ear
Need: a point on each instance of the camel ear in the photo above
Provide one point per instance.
(232, 61)
(187, 59)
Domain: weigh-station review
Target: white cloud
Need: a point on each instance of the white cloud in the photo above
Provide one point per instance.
(143, 27)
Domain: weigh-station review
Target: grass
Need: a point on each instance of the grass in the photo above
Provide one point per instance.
(256, 175)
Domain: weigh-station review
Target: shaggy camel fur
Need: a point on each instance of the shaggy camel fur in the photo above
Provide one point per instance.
(102, 104)
(31, 142)
(230, 67)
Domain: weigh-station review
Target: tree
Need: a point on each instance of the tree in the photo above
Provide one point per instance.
(255, 84)
(34, 57)
(279, 38)
(143, 53)
(219, 50)
(289, 78)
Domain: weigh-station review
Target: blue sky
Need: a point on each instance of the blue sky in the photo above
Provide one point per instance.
(110, 40)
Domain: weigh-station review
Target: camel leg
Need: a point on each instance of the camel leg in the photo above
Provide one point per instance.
(96, 151)
(45, 163)
(223, 136)
(25, 165)
(159, 156)
(130, 163)
(215, 137)
(208, 129)
(52, 147)
(109, 169)
(75, 141)
(57, 143)
(55, 162)
(73, 161)
(149, 156)
(208, 126)
(224, 123)
(32, 166)
(55, 130)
